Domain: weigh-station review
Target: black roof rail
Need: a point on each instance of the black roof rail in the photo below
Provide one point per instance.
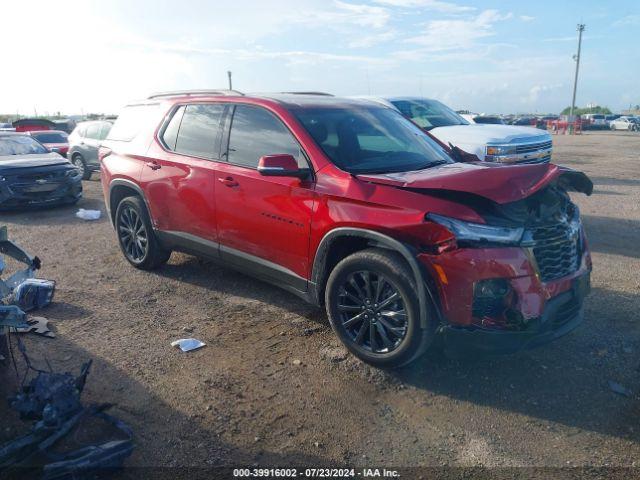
(189, 93)
(321, 94)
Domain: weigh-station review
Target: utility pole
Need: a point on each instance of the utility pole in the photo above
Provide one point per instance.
(577, 59)
(230, 84)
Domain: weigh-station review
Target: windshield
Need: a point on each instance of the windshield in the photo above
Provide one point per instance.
(20, 145)
(429, 114)
(370, 139)
(51, 137)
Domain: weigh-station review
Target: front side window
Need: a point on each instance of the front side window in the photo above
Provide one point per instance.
(429, 114)
(255, 132)
(199, 131)
(370, 139)
(20, 145)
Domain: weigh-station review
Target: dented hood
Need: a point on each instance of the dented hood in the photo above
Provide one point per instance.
(499, 183)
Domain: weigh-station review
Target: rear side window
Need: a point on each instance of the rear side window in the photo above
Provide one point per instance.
(93, 131)
(170, 134)
(255, 132)
(131, 120)
(105, 128)
(199, 130)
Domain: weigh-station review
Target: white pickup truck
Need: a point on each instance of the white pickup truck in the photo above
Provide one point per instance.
(490, 143)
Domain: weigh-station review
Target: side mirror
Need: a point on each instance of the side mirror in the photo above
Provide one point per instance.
(281, 165)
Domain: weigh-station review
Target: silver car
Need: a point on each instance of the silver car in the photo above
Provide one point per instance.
(84, 142)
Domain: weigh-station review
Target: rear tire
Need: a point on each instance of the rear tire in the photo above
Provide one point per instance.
(383, 333)
(136, 237)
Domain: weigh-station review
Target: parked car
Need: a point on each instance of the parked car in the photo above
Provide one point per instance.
(346, 203)
(524, 121)
(625, 123)
(6, 127)
(33, 124)
(490, 143)
(610, 118)
(593, 121)
(84, 142)
(31, 175)
(542, 122)
(54, 140)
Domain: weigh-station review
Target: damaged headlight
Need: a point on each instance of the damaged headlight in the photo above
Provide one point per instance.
(476, 232)
(73, 172)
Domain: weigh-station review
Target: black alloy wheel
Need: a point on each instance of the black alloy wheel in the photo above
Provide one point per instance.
(372, 311)
(132, 234)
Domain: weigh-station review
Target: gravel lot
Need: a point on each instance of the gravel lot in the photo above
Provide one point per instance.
(272, 387)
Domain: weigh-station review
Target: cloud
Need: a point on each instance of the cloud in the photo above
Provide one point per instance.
(629, 20)
(435, 5)
(527, 18)
(458, 34)
(537, 91)
(347, 13)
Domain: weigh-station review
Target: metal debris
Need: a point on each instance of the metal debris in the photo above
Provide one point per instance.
(188, 344)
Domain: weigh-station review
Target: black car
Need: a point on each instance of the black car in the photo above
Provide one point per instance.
(31, 175)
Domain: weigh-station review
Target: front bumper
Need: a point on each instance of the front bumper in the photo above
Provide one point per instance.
(548, 309)
(562, 314)
(25, 195)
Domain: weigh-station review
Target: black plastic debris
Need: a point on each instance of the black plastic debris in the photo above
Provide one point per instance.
(52, 401)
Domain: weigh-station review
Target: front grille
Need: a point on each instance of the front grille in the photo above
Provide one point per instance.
(533, 147)
(556, 248)
(545, 159)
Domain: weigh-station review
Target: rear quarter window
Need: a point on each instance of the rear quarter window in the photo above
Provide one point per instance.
(131, 121)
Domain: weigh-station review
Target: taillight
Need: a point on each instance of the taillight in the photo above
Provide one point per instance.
(104, 152)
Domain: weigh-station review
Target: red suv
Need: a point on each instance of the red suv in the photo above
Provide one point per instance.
(347, 204)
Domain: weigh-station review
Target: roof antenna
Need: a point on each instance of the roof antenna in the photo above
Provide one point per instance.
(230, 84)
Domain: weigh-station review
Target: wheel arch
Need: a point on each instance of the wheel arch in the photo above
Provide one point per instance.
(121, 188)
(343, 241)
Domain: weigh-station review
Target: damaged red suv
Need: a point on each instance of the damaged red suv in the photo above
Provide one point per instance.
(349, 205)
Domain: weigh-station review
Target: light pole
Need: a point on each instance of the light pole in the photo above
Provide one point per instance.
(577, 59)
(229, 75)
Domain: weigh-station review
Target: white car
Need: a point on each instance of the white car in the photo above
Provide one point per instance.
(489, 142)
(625, 123)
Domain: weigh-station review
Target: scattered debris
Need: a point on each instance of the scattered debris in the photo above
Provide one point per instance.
(12, 316)
(37, 325)
(619, 389)
(88, 214)
(297, 362)
(188, 344)
(52, 400)
(22, 289)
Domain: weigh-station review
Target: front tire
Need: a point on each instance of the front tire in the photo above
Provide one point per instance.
(136, 237)
(373, 309)
(78, 161)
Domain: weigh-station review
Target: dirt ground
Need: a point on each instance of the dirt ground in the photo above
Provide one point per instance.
(272, 387)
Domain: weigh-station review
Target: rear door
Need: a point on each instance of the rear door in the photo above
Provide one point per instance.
(178, 180)
(263, 222)
(91, 143)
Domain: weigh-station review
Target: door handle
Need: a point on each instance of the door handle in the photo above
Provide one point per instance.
(228, 182)
(153, 165)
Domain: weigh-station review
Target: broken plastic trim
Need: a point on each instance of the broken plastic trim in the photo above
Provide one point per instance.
(21, 288)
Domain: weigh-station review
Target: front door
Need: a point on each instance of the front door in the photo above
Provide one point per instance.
(263, 222)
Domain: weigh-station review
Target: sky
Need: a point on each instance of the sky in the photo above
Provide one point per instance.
(80, 56)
